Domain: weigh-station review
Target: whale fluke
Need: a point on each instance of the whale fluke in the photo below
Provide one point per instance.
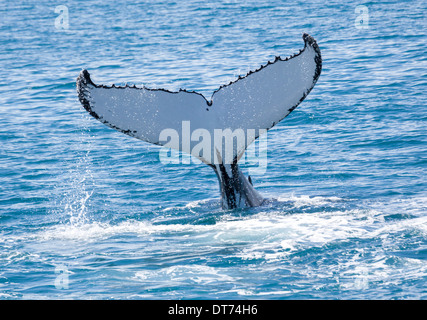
(246, 108)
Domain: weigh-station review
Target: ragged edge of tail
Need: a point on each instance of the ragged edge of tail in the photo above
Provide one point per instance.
(83, 83)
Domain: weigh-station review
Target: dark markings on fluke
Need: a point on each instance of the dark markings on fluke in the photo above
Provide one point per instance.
(236, 190)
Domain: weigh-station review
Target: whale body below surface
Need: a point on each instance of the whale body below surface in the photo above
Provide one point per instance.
(251, 105)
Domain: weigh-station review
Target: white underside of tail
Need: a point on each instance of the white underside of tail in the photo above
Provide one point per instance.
(247, 107)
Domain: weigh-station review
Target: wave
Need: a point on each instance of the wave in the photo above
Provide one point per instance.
(294, 242)
(281, 227)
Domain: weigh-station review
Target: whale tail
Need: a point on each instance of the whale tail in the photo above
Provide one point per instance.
(225, 125)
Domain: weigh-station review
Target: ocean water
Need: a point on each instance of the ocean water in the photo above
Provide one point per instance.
(89, 213)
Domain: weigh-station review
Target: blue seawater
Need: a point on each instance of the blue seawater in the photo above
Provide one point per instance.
(89, 213)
